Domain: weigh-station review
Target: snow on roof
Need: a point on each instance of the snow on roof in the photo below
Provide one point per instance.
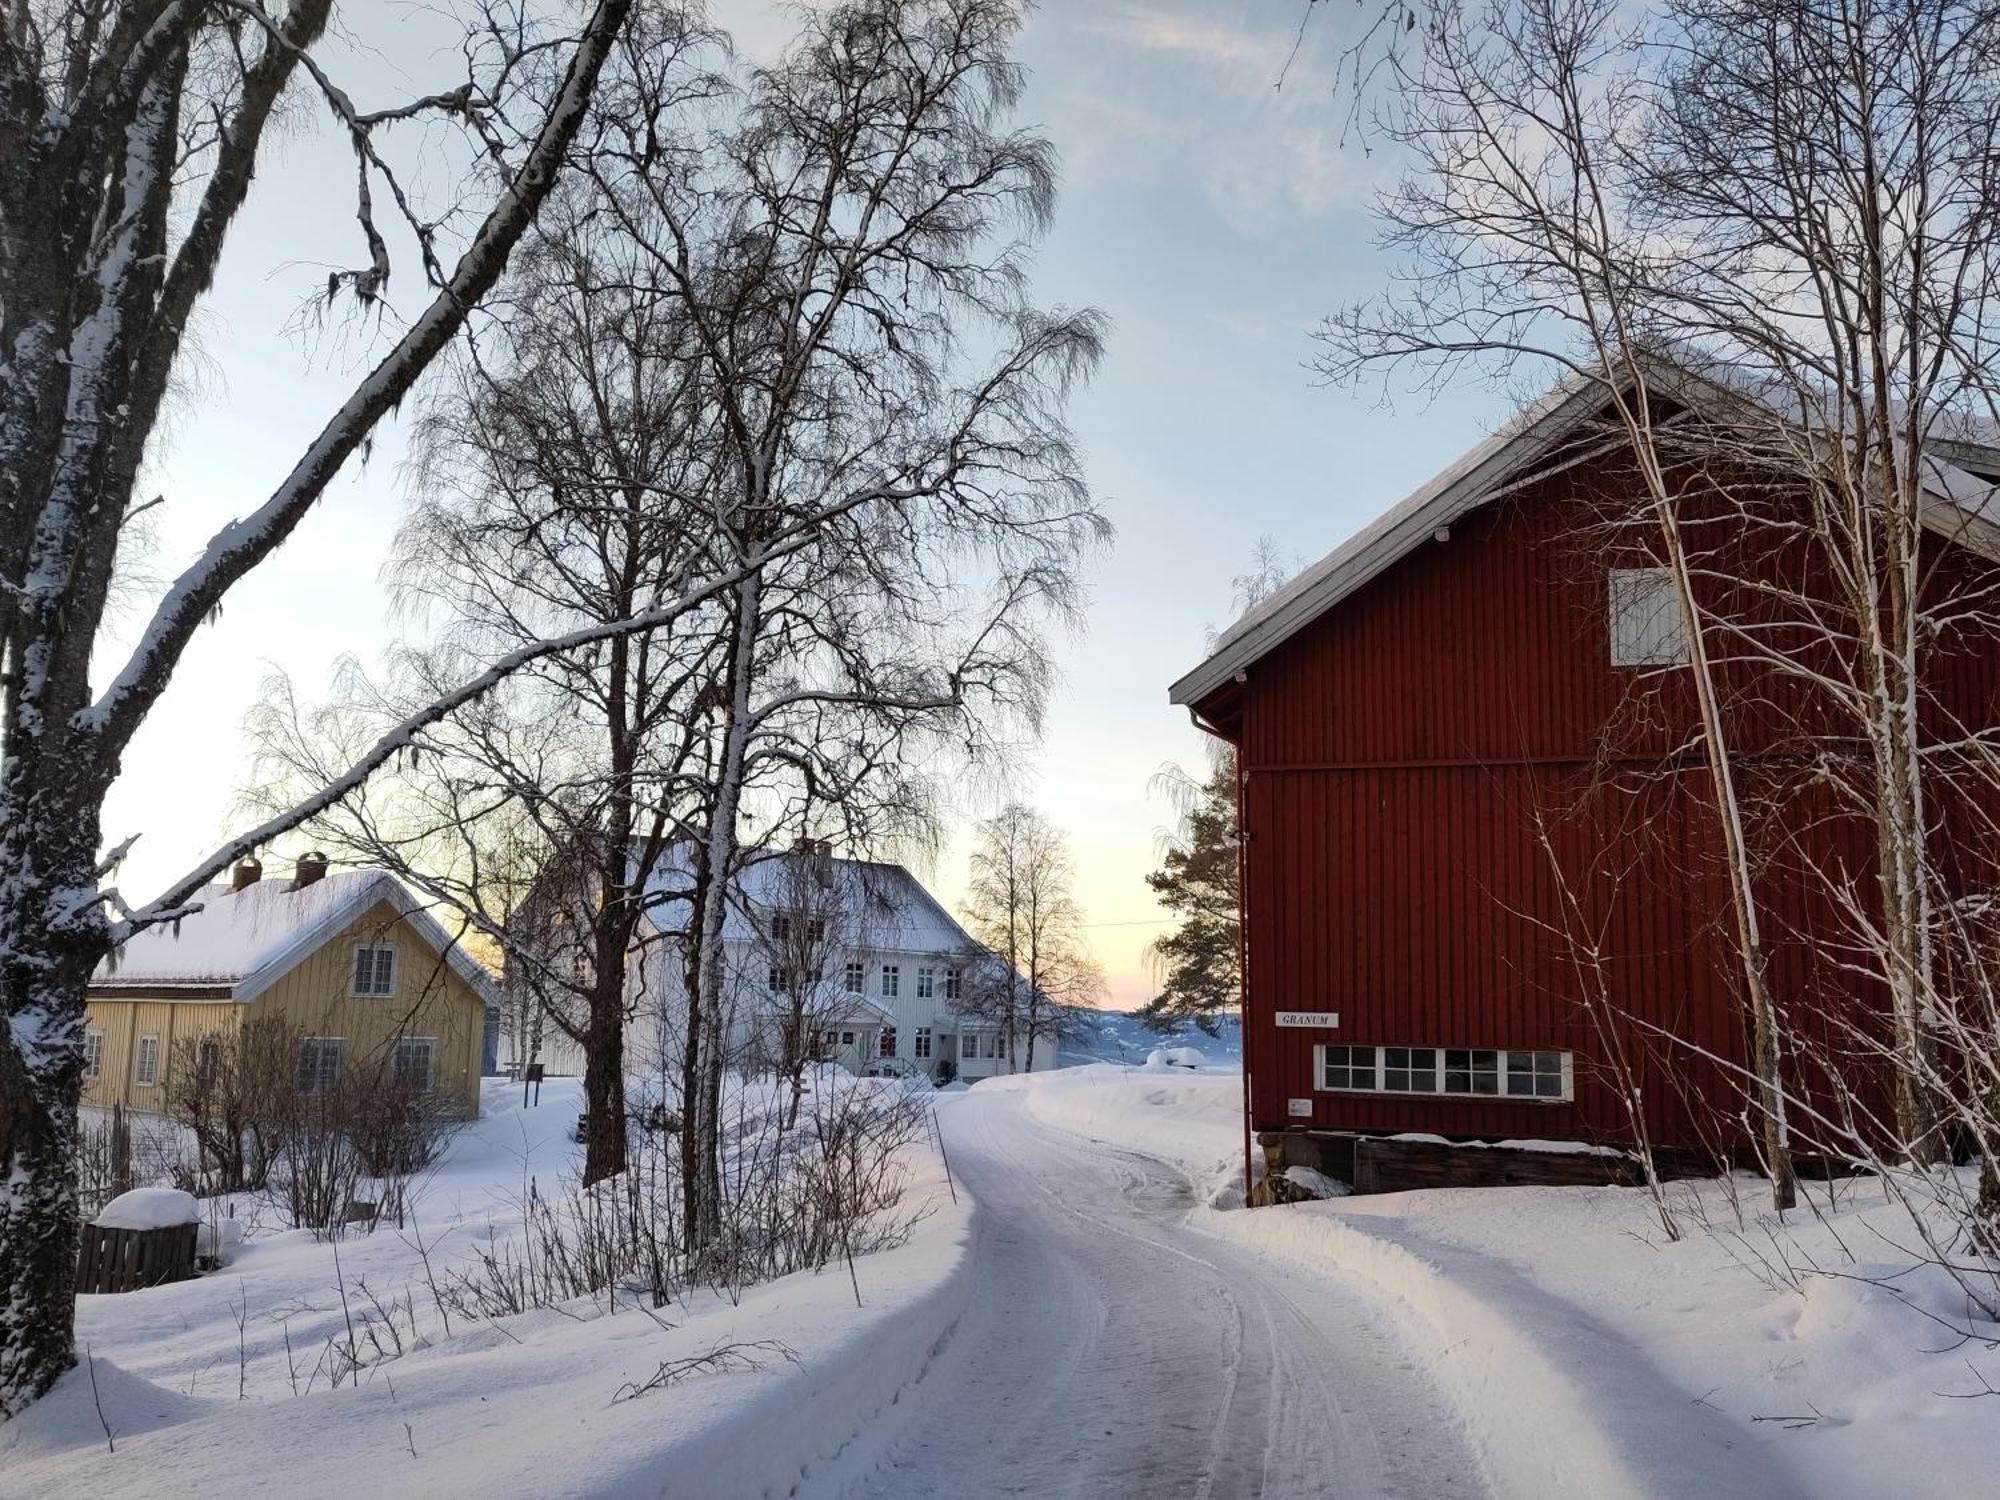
(883, 905)
(1963, 507)
(247, 940)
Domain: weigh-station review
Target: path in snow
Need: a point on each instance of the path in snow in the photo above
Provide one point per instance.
(1110, 1350)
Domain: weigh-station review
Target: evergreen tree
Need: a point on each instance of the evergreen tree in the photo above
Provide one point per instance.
(1197, 883)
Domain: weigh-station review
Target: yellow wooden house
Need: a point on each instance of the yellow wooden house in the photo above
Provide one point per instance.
(350, 959)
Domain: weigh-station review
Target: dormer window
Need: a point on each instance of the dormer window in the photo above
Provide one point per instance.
(375, 970)
(1647, 629)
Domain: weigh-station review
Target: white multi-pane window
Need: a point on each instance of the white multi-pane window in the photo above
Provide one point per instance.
(93, 1053)
(1471, 1070)
(892, 979)
(781, 928)
(923, 1042)
(847, 1039)
(855, 977)
(990, 1046)
(1409, 1070)
(1000, 1045)
(954, 984)
(1647, 628)
(1538, 1075)
(968, 1044)
(375, 969)
(779, 979)
(318, 1065)
(1489, 1072)
(926, 982)
(207, 1061)
(413, 1064)
(1347, 1067)
(146, 1061)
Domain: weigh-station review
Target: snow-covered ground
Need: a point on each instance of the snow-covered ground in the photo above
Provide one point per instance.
(1089, 1317)
(517, 1405)
(1591, 1355)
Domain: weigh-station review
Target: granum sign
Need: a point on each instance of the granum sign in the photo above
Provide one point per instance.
(1328, 1019)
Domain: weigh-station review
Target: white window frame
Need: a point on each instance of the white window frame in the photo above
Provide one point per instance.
(777, 981)
(926, 982)
(892, 980)
(354, 988)
(146, 1061)
(429, 1044)
(846, 1038)
(921, 1046)
(320, 1045)
(1643, 618)
(205, 1071)
(93, 1055)
(856, 978)
(954, 983)
(1378, 1059)
(968, 1046)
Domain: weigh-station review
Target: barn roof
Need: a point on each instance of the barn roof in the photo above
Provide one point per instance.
(243, 942)
(1963, 506)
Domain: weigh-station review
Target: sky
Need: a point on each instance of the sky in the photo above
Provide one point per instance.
(1214, 217)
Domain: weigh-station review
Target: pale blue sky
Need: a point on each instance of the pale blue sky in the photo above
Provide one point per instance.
(1213, 217)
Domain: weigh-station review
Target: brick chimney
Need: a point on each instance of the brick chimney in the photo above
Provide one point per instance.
(247, 872)
(311, 867)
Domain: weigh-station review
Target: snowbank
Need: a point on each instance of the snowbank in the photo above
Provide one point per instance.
(1175, 1057)
(523, 1404)
(149, 1208)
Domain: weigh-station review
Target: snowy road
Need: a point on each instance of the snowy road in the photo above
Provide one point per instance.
(1111, 1350)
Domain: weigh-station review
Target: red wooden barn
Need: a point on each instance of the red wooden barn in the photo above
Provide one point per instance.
(1465, 748)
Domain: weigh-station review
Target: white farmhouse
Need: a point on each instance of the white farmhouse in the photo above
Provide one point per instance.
(881, 976)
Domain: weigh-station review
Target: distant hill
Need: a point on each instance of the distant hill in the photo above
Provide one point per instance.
(1120, 1036)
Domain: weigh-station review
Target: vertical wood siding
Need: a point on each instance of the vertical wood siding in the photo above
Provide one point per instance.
(1398, 756)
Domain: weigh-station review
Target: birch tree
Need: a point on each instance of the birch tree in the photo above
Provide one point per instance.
(1021, 903)
(782, 331)
(130, 134)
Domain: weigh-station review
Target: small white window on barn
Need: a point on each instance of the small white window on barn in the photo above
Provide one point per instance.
(413, 1064)
(146, 1062)
(375, 970)
(319, 1064)
(93, 1053)
(1347, 1067)
(1538, 1075)
(207, 1062)
(1646, 625)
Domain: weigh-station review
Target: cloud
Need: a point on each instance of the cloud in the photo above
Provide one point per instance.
(1203, 37)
